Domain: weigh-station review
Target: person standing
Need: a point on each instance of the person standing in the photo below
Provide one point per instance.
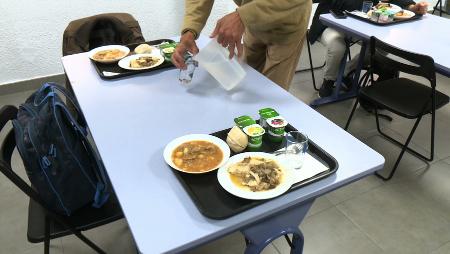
(273, 32)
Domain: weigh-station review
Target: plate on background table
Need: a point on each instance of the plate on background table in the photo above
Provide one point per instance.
(126, 63)
(388, 6)
(404, 14)
(228, 182)
(109, 54)
(214, 142)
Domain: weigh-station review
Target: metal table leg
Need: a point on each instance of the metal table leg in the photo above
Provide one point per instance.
(337, 96)
(261, 234)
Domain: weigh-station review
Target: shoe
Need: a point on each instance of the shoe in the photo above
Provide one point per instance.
(347, 82)
(326, 89)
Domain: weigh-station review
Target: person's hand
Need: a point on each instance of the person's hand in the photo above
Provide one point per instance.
(187, 43)
(419, 8)
(229, 31)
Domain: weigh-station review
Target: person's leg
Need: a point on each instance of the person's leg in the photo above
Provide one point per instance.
(281, 62)
(335, 44)
(254, 51)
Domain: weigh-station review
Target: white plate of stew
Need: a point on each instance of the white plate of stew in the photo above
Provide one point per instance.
(236, 185)
(196, 153)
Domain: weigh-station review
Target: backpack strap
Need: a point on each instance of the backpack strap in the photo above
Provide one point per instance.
(43, 93)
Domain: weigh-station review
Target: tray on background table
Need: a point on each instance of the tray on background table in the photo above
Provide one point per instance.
(394, 22)
(215, 202)
(105, 71)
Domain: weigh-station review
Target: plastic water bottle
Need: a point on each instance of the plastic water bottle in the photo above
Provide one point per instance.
(186, 75)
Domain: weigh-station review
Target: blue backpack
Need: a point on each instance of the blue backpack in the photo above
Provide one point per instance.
(59, 160)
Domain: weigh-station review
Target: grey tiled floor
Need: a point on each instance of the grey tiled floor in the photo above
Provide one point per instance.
(409, 214)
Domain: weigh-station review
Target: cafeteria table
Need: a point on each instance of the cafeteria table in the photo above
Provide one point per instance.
(132, 119)
(424, 36)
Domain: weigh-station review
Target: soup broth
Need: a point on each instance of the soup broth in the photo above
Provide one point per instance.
(197, 156)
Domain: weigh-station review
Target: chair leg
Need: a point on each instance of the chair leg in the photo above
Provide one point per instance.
(351, 114)
(78, 234)
(436, 6)
(89, 242)
(410, 150)
(311, 64)
(404, 146)
(433, 126)
(47, 235)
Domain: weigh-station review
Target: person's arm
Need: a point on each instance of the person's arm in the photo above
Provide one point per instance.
(419, 8)
(265, 15)
(196, 14)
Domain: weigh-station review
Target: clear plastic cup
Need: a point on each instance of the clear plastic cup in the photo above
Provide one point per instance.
(296, 149)
(366, 6)
(214, 58)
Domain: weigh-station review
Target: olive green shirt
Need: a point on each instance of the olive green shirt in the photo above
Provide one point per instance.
(272, 21)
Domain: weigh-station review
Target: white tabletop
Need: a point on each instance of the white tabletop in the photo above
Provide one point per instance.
(429, 36)
(131, 120)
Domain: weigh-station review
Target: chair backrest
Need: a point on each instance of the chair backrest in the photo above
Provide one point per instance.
(8, 113)
(401, 60)
(84, 34)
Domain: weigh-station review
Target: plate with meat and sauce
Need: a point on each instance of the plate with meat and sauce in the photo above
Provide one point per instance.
(109, 54)
(141, 61)
(255, 175)
(196, 153)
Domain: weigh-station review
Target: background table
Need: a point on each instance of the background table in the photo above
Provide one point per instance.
(131, 120)
(428, 36)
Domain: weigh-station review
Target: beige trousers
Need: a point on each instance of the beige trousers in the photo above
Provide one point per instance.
(334, 41)
(275, 61)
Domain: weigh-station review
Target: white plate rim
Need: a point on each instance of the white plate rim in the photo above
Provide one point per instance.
(225, 181)
(125, 62)
(407, 11)
(92, 52)
(191, 137)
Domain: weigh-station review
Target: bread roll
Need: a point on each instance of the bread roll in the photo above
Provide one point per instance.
(143, 49)
(237, 140)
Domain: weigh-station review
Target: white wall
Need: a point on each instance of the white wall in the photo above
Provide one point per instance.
(31, 30)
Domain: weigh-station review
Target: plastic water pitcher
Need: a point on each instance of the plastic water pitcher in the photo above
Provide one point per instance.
(214, 58)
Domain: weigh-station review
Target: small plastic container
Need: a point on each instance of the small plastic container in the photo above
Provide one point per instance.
(214, 58)
(276, 128)
(255, 135)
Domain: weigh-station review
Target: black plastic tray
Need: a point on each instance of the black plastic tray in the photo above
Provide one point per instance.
(394, 22)
(215, 202)
(114, 67)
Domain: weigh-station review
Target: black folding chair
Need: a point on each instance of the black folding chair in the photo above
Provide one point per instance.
(439, 3)
(43, 224)
(402, 96)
